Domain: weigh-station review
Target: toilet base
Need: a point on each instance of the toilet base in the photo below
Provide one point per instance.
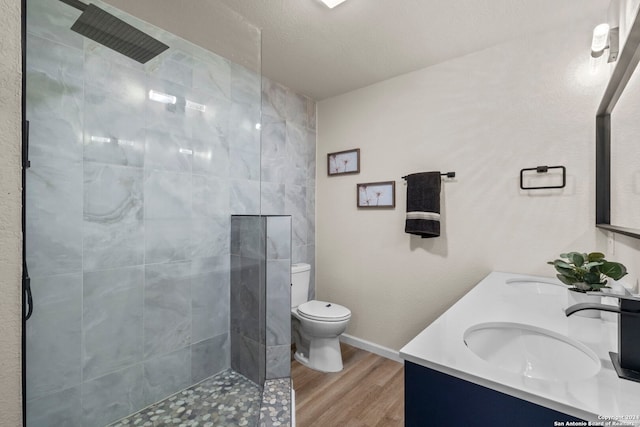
(324, 355)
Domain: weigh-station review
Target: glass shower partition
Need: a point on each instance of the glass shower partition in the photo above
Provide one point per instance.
(136, 170)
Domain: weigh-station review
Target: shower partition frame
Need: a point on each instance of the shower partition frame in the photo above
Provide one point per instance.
(25, 205)
(287, 138)
(27, 303)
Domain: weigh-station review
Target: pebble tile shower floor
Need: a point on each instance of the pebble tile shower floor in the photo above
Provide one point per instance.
(276, 398)
(224, 400)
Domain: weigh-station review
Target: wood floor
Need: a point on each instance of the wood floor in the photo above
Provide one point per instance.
(368, 392)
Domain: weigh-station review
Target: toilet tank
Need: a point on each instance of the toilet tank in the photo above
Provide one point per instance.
(300, 275)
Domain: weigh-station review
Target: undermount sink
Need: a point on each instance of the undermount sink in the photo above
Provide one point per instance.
(537, 286)
(531, 351)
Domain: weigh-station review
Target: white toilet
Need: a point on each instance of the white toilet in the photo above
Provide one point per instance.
(316, 325)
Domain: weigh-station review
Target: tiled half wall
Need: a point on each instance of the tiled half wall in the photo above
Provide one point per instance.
(261, 296)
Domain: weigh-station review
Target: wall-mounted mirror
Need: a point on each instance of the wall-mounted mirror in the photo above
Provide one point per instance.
(618, 144)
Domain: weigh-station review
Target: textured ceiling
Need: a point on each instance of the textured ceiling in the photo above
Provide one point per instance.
(323, 52)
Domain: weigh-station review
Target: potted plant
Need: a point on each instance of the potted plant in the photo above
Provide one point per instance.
(586, 273)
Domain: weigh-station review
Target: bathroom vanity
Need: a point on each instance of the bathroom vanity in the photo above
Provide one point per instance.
(506, 354)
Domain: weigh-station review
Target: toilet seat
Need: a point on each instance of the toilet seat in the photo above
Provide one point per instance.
(323, 311)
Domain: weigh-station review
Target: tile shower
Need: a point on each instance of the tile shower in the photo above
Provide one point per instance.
(129, 206)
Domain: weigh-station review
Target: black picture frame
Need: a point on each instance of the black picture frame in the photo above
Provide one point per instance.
(626, 64)
(343, 162)
(376, 195)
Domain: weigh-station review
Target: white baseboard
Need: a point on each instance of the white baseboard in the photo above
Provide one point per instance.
(371, 347)
(293, 406)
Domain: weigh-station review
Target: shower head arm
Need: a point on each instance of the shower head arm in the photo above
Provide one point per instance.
(75, 3)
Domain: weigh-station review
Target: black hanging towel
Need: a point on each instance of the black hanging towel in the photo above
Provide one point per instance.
(423, 204)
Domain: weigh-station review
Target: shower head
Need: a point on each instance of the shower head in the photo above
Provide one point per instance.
(114, 33)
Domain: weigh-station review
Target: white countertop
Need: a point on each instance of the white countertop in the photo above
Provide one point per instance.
(441, 347)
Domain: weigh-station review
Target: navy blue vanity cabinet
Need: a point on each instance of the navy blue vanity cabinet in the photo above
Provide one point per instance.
(436, 399)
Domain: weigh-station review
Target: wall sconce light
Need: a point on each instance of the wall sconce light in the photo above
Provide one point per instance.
(604, 38)
(332, 3)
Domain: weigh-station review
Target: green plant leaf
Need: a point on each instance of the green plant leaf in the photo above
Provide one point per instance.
(568, 255)
(566, 271)
(576, 258)
(592, 278)
(561, 263)
(595, 256)
(588, 266)
(566, 280)
(615, 270)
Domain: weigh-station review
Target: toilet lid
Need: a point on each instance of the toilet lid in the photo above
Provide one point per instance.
(324, 311)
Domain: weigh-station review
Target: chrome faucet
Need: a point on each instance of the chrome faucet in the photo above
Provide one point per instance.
(627, 360)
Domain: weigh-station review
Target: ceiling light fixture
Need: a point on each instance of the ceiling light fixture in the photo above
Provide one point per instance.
(332, 3)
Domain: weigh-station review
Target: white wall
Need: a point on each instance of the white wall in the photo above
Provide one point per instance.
(485, 116)
(10, 208)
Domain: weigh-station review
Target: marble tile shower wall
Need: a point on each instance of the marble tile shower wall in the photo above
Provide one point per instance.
(128, 228)
(289, 166)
